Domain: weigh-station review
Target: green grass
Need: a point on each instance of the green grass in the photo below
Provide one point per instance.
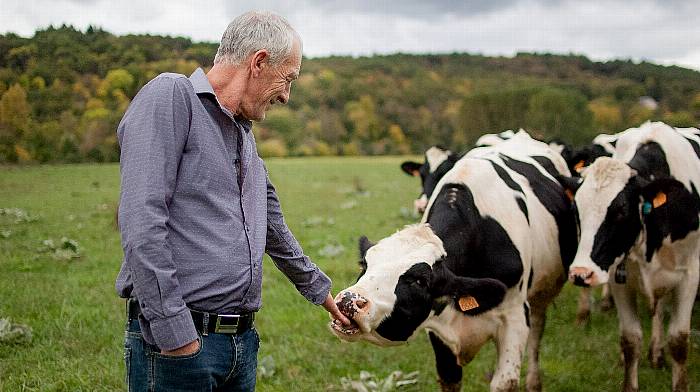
(78, 319)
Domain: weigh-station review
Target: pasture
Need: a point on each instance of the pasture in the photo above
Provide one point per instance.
(78, 320)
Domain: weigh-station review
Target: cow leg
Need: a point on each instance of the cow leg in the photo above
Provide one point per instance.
(606, 301)
(449, 372)
(583, 314)
(511, 339)
(630, 331)
(679, 328)
(538, 315)
(656, 348)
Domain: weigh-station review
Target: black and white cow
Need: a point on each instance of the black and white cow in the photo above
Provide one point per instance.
(639, 218)
(577, 159)
(439, 160)
(490, 254)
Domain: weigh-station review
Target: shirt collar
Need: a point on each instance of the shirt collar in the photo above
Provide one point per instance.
(202, 86)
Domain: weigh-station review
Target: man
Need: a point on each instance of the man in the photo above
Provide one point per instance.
(197, 211)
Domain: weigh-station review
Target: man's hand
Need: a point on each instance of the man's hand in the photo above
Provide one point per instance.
(189, 348)
(332, 308)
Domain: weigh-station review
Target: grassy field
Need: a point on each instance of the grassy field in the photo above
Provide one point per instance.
(77, 319)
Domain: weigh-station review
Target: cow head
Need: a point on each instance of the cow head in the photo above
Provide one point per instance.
(614, 204)
(404, 281)
(438, 161)
(579, 159)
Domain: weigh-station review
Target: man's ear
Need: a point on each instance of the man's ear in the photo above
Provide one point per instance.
(411, 168)
(258, 61)
(471, 296)
(570, 184)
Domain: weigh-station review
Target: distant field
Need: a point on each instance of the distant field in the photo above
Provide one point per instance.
(329, 202)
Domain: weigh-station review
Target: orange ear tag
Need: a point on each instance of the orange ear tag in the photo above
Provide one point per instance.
(415, 173)
(579, 166)
(468, 303)
(659, 200)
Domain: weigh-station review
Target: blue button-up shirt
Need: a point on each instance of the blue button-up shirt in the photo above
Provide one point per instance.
(197, 211)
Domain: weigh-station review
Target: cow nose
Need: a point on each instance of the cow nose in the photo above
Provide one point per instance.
(351, 303)
(579, 281)
(580, 276)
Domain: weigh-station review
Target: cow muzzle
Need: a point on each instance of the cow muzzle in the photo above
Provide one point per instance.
(585, 277)
(354, 307)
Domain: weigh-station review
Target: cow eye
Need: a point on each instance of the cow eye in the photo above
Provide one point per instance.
(420, 282)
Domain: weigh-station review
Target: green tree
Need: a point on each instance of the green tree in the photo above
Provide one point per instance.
(562, 114)
(14, 121)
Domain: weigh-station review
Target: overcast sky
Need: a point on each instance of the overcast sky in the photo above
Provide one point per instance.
(662, 31)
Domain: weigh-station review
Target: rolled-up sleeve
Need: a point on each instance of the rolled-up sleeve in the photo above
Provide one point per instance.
(288, 256)
(152, 136)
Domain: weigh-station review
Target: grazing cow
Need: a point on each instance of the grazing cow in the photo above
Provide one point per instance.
(491, 253)
(638, 214)
(439, 160)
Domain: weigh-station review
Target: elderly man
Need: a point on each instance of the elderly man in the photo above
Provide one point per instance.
(197, 211)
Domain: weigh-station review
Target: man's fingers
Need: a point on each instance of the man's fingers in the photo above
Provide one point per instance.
(332, 308)
(341, 317)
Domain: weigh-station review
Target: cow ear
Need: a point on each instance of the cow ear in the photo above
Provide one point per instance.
(411, 168)
(661, 192)
(364, 244)
(570, 184)
(470, 295)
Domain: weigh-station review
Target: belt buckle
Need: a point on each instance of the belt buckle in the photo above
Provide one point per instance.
(219, 328)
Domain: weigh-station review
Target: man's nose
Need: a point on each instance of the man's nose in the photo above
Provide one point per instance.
(284, 97)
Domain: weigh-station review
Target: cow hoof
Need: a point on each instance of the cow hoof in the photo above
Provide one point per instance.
(657, 359)
(533, 384)
(627, 388)
(450, 387)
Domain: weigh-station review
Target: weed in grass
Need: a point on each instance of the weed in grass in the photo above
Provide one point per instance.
(368, 382)
(266, 367)
(18, 215)
(331, 250)
(348, 205)
(66, 249)
(11, 333)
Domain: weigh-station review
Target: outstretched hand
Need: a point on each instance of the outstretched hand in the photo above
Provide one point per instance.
(332, 308)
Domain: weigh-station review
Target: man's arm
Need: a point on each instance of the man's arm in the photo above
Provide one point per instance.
(152, 136)
(289, 258)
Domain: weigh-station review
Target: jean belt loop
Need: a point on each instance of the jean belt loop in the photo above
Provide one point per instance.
(205, 330)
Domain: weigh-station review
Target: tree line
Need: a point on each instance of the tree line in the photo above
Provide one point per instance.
(63, 92)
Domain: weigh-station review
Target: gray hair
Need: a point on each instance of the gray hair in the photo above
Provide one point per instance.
(254, 31)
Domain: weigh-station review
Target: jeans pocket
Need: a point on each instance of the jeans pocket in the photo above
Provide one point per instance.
(181, 372)
(186, 356)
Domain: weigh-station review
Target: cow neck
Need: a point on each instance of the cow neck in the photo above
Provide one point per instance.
(477, 246)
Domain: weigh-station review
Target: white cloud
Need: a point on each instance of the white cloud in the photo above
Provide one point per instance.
(661, 31)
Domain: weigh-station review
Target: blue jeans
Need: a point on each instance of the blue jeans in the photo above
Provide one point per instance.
(223, 363)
